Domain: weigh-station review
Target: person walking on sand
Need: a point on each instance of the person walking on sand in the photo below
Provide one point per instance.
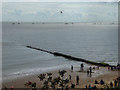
(77, 80)
(70, 77)
(87, 72)
(71, 68)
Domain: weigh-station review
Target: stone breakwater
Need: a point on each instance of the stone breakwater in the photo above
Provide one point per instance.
(71, 57)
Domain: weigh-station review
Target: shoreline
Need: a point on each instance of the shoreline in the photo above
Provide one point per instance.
(102, 73)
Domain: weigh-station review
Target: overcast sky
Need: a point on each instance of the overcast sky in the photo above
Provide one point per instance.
(60, 0)
(50, 12)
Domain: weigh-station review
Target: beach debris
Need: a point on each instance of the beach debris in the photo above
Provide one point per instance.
(45, 86)
(49, 74)
(49, 78)
(72, 85)
(56, 80)
(62, 72)
(33, 85)
(41, 77)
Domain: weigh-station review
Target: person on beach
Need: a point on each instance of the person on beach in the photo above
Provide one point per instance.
(72, 85)
(98, 67)
(96, 82)
(77, 80)
(87, 72)
(90, 70)
(71, 68)
(82, 66)
(102, 82)
(111, 84)
(108, 68)
(85, 86)
(112, 68)
(115, 83)
(70, 77)
(93, 68)
(94, 87)
(89, 87)
(118, 66)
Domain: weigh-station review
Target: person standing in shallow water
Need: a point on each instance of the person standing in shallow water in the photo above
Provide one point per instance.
(82, 66)
(90, 71)
(71, 68)
(77, 80)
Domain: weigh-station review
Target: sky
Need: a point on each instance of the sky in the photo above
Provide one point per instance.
(50, 11)
(60, 0)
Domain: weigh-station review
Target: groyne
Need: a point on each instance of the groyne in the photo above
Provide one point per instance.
(69, 57)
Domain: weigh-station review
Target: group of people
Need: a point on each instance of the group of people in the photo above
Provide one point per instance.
(65, 82)
(81, 67)
(89, 71)
(102, 82)
(114, 67)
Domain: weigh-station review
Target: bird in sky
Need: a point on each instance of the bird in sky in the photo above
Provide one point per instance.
(61, 12)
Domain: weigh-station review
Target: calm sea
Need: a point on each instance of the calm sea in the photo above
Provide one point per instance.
(88, 41)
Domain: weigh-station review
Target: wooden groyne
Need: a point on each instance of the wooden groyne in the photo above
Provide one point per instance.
(70, 57)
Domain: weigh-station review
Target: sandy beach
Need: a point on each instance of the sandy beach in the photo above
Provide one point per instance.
(102, 74)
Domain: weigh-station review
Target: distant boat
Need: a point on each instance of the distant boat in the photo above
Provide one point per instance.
(18, 22)
(13, 23)
(66, 23)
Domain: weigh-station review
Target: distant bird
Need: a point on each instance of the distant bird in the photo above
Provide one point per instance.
(61, 12)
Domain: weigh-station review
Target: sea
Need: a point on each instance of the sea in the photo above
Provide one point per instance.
(94, 42)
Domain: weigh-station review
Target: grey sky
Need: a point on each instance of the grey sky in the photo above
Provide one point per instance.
(50, 12)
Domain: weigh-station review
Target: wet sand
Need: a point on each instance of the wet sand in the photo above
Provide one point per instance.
(103, 73)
